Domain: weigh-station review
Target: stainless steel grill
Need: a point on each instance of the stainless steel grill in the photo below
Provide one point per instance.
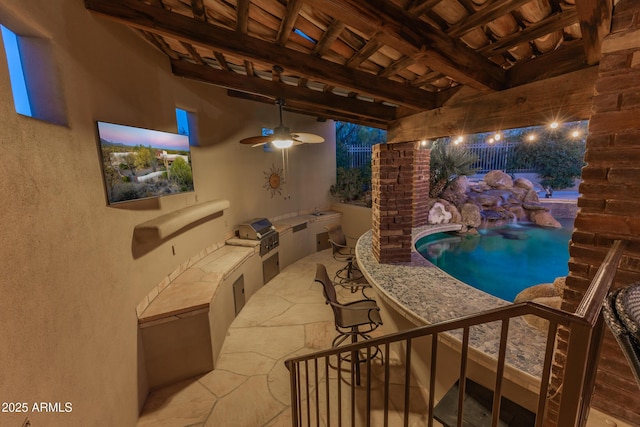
(260, 229)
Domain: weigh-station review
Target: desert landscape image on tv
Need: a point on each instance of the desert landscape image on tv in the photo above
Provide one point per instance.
(141, 163)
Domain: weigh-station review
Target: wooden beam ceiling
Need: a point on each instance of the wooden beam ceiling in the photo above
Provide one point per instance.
(149, 18)
(277, 89)
(373, 61)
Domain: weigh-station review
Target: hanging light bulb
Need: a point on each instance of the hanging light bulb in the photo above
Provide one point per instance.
(282, 143)
(282, 137)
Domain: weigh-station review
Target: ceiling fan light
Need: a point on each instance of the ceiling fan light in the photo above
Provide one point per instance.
(282, 143)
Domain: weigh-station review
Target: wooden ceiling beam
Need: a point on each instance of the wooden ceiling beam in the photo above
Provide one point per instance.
(248, 66)
(329, 36)
(525, 105)
(242, 19)
(595, 24)
(197, 7)
(193, 52)
(552, 23)
(567, 58)
(410, 35)
(139, 15)
(319, 112)
(396, 66)
(256, 85)
(289, 21)
(419, 7)
(372, 46)
(221, 61)
(485, 15)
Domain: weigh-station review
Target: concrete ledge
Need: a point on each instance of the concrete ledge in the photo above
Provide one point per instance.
(164, 226)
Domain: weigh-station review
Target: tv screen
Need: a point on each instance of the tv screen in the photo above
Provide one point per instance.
(141, 163)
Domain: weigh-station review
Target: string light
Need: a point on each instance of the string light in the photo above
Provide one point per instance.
(575, 134)
(554, 125)
(497, 136)
(531, 137)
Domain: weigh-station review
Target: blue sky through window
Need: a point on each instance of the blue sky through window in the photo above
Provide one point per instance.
(183, 121)
(16, 73)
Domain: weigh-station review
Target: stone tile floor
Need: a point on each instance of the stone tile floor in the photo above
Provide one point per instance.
(250, 385)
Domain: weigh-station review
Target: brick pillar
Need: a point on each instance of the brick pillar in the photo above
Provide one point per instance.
(421, 186)
(609, 204)
(398, 202)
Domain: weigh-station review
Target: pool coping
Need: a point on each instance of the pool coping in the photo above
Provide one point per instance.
(424, 294)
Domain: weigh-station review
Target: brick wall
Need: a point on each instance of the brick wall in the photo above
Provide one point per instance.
(400, 187)
(610, 203)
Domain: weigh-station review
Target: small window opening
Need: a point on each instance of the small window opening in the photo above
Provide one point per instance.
(267, 132)
(186, 121)
(303, 35)
(37, 92)
(16, 72)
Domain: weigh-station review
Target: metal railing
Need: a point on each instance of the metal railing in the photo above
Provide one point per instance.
(324, 390)
(359, 155)
(490, 156)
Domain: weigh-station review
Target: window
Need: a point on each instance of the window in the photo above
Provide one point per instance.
(16, 73)
(36, 89)
(186, 121)
(267, 147)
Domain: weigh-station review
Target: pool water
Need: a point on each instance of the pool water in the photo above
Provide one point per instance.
(502, 261)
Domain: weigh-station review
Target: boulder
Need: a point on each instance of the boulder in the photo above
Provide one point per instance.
(470, 215)
(523, 183)
(438, 214)
(519, 193)
(531, 197)
(560, 283)
(538, 291)
(538, 322)
(544, 219)
(498, 179)
(547, 294)
(456, 191)
(485, 199)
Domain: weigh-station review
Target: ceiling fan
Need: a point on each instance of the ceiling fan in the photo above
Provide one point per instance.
(282, 137)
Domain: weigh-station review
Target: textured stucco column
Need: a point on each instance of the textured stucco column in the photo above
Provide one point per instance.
(609, 205)
(400, 185)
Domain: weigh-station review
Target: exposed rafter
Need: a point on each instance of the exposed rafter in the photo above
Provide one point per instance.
(372, 61)
(277, 89)
(139, 15)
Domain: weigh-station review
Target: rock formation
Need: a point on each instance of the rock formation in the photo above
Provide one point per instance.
(496, 199)
(549, 294)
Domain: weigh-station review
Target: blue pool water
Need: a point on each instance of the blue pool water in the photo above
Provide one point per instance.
(502, 261)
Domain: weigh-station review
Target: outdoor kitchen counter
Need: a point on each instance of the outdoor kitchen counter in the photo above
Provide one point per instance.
(424, 294)
(285, 223)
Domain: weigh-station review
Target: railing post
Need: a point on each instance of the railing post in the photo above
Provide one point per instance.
(575, 371)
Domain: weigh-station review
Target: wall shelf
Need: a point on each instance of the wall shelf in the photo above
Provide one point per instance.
(164, 226)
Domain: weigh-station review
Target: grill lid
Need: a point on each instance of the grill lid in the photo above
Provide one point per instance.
(255, 229)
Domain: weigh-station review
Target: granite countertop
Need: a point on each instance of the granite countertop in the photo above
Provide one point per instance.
(424, 294)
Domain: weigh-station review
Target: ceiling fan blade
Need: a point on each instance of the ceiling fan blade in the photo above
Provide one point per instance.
(259, 144)
(256, 140)
(307, 138)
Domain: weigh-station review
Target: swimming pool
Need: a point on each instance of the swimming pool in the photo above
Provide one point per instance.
(502, 261)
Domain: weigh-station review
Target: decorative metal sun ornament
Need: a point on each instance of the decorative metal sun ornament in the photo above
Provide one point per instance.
(274, 180)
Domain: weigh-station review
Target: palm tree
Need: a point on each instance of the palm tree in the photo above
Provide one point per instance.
(447, 162)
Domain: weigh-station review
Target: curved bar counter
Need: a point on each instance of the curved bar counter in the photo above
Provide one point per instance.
(423, 294)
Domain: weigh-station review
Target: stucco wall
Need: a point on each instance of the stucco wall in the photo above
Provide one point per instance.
(69, 280)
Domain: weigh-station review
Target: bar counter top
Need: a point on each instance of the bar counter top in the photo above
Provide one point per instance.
(424, 294)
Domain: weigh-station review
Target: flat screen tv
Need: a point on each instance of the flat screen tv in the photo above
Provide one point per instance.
(142, 163)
